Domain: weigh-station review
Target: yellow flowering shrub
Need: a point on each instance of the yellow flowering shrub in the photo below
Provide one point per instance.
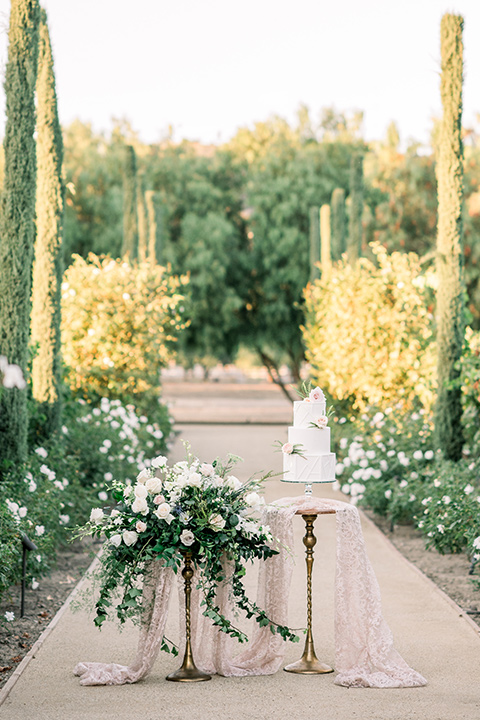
(369, 332)
(120, 323)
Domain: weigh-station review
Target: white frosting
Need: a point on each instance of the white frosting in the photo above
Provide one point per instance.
(315, 463)
(313, 439)
(305, 412)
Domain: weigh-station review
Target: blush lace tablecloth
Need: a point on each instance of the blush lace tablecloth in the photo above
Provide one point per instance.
(364, 651)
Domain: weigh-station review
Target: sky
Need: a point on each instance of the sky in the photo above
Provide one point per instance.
(208, 67)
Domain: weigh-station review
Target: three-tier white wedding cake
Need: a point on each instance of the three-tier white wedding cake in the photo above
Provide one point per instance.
(306, 455)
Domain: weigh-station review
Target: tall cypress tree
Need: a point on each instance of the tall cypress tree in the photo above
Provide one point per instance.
(142, 218)
(338, 223)
(325, 238)
(155, 227)
(354, 241)
(314, 243)
(130, 223)
(450, 293)
(17, 229)
(47, 266)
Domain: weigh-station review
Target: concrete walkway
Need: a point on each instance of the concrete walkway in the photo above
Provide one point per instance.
(428, 629)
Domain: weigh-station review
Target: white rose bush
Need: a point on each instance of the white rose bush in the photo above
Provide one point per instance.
(191, 506)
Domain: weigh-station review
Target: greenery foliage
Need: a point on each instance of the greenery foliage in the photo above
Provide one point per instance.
(17, 215)
(388, 352)
(120, 325)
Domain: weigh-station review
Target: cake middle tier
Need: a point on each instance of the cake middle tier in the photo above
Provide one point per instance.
(312, 440)
(309, 469)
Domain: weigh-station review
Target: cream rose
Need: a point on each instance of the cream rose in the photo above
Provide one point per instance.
(153, 485)
(96, 515)
(140, 491)
(287, 448)
(140, 526)
(187, 537)
(159, 462)
(216, 522)
(129, 537)
(143, 476)
(207, 469)
(116, 540)
(140, 505)
(254, 500)
(162, 511)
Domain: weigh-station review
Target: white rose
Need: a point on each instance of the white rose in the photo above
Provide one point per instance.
(207, 469)
(162, 511)
(194, 479)
(153, 485)
(159, 462)
(140, 526)
(187, 537)
(140, 491)
(233, 482)
(140, 505)
(216, 522)
(253, 499)
(129, 537)
(143, 476)
(116, 540)
(96, 515)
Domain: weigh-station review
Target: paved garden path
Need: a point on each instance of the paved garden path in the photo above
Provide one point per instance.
(428, 629)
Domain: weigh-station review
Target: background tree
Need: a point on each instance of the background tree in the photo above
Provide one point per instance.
(325, 235)
(355, 228)
(142, 219)
(48, 265)
(314, 234)
(155, 227)
(17, 229)
(130, 223)
(450, 294)
(94, 192)
(338, 223)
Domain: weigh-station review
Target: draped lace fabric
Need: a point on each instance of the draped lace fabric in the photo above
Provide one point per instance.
(364, 651)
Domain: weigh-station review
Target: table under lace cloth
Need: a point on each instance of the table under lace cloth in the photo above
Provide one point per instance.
(364, 651)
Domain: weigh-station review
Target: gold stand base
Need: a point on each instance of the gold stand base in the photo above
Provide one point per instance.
(188, 673)
(308, 667)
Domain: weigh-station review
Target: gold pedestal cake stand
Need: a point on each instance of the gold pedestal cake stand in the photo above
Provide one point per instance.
(309, 664)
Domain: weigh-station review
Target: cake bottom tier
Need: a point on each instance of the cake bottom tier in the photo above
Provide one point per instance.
(309, 469)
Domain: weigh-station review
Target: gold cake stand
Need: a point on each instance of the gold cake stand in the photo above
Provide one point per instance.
(309, 664)
(188, 671)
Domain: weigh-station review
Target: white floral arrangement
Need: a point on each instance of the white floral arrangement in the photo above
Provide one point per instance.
(190, 506)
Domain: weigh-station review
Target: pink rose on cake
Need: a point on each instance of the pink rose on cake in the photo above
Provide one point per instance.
(320, 422)
(287, 448)
(316, 395)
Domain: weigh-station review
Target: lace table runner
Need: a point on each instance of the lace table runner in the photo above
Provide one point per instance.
(364, 651)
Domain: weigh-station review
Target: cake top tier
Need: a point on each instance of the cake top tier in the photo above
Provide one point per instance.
(307, 412)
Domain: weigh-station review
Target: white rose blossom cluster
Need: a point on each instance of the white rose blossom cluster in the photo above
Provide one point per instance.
(374, 457)
(191, 506)
(183, 502)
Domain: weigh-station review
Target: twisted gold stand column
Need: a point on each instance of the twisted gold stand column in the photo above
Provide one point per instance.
(188, 672)
(309, 663)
